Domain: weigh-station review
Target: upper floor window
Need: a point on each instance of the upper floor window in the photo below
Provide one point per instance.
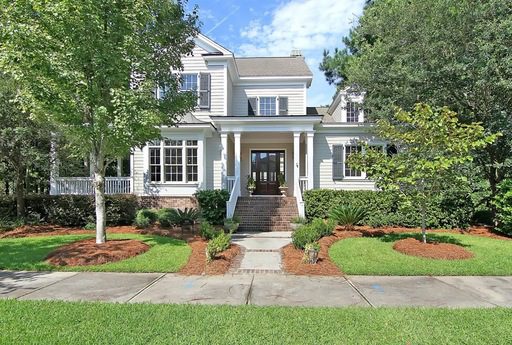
(189, 82)
(352, 112)
(267, 106)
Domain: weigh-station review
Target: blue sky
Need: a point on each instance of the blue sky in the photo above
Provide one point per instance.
(274, 28)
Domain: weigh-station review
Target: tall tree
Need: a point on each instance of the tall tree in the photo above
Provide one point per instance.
(24, 144)
(91, 68)
(432, 146)
(453, 53)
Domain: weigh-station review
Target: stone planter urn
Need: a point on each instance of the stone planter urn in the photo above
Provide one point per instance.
(311, 251)
(283, 190)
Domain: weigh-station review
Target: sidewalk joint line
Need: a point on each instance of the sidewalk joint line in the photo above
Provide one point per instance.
(358, 291)
(157, 279)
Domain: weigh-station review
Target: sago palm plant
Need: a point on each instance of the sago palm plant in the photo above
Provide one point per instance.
(347, 215)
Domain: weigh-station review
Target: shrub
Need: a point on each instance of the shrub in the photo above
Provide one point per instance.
(90, 226)
(145, 217)
(347, 215)
(232, 224)
(218, 244)
(322, 227)
(299, 220)
(303, 235)
(187, 216)
(167, 217)
(207, 230)
(448, 210)
(73, 210)
(503, 203)
(212, 204)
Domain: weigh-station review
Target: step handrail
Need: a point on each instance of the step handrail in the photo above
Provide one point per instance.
(233, 198)
(298, 197)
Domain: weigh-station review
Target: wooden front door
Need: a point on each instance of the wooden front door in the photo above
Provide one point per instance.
(265, 167)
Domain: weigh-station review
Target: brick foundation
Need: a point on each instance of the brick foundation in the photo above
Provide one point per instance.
(180, 202)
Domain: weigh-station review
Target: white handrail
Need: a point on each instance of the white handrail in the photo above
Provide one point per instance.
(298, 197)
(233, 198)
(84, 185)
(230, 181)
(303, 181)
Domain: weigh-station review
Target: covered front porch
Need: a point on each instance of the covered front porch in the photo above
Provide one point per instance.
(264, 148)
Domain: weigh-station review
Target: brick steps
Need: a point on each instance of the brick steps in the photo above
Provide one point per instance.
(266, 213)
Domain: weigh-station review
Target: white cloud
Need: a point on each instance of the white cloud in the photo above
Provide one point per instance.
(308, 25)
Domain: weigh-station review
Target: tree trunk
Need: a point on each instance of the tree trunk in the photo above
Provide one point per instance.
(99, 197)
(423, 221)
(20, 193)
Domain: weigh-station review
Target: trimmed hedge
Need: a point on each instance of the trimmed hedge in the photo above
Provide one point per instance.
(73, 210)
(447, 210)
(212, 204)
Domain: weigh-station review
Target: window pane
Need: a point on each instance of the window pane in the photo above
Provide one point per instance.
(188, 82)
(173, 165)
(191, 142)
(267, 106)
(192, 165)
(348, 151)
(352, 112)
(154, 165)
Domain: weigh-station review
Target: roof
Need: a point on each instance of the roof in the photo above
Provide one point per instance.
(316, 110)
(290, 66)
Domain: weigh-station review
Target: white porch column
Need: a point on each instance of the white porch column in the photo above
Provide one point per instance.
(309, 172)
(237, 160)
(296, 162)
(119, 167)
(223, 159)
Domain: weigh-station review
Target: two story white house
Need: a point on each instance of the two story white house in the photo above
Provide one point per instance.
(252, 119)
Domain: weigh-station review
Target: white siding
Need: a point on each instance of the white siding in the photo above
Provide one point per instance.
(213, 163)
(340, 113)
(138, 171)
(197, 64)
(323, 143)
(295, 94)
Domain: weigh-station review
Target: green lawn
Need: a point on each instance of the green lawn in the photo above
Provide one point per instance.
(375, 256)
(40, 322)
(166, 254)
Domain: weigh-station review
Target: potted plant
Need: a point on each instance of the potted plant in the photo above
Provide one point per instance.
(296, 222)
(311, 251)
(283, 186)
(251, 184)
(232, 224)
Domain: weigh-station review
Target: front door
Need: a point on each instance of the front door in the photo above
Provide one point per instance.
(265, 167)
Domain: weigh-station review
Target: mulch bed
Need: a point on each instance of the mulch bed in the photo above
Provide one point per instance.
(443, 251)
(292, 257)
(197, 264)
(53, 230)
(87, 252)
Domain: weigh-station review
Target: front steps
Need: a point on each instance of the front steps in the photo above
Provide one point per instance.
(266, 213)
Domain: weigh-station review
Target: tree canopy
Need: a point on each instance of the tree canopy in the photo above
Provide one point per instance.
(453, 53)
(91, 67)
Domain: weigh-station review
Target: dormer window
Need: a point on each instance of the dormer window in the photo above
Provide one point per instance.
(352, 112)
(267, 106)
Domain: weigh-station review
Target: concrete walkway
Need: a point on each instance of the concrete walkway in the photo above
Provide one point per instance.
(260, 289)
(260, 251)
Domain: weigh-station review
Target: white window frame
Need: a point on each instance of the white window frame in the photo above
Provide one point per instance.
(184, 146)
(197, 82)
(345, 165)
(258, 107)
(159, 90)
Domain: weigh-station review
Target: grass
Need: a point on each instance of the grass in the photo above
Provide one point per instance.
(166, 254)
(38, 322)
(376, 256)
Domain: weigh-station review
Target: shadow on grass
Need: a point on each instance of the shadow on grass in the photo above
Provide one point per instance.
(431, 238)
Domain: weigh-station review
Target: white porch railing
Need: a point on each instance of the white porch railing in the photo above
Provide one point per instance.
(233, 198)
(298, 197)
(84, 186)
(230, 181)
(303, 182)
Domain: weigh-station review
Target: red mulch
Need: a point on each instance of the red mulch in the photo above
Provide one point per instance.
(292, 257)
(443, 251)
(482, 231)
(197, 262)
(87, 252)
(53, 230)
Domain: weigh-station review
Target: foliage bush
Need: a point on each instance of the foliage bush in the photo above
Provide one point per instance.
(72, 210)
(503, 203)
(303, 235)
(347, 215)
(207, 231)
(218, 244)
(167, 217)
(299, 220)
(145, 217)
(187, 216)
(212, 204)
(450, 209)
(323, 228)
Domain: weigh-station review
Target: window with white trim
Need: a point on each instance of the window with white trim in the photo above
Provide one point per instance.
(189, 82)
(352, 112)
(349, 172)
(172, 161)
(267, 106)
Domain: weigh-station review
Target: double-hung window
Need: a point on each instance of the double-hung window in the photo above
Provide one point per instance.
(172, 161)
(199, 83)
(352, 112)
(189, 82)
(349, 172)
(267, 106)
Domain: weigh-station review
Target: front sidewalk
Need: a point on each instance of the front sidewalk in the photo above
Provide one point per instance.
(259, 289)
